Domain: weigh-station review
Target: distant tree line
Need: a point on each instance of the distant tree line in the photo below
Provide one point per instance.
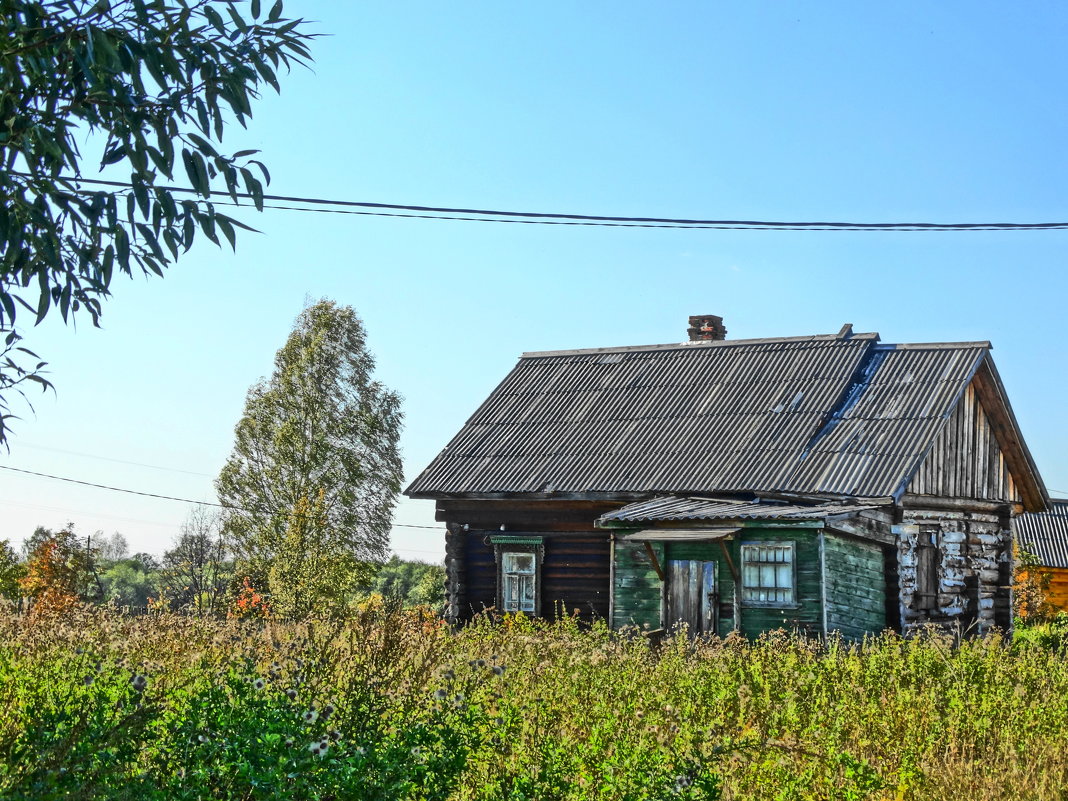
(198, 575)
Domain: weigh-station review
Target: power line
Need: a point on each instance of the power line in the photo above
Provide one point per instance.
(110, 459)
(163, 497)
(565, 218)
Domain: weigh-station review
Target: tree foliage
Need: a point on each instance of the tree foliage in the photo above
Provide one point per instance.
(314, 474)
(148, 86)
(415, 583)
(59, 572)
(197, 570)
(11, 570)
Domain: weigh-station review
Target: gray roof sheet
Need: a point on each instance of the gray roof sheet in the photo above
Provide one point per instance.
(825, 414)
(674, 508)
(1045, 534)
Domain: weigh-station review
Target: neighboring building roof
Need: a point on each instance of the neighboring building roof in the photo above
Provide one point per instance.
(684, 509)
(1045, 534)
(838, 415)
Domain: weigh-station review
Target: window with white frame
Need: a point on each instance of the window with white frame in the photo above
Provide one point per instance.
(768, 573)
(519, 585)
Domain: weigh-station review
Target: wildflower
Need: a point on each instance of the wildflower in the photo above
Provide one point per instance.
(498, 670)
(311, 716)
(259, 684)
(289, 742)
(682, 782)
(315, 748)
(201, 738)
(88, 680)
(334, 735)
(139, 683)
(440, 694)
(480, 663)
(417, 752)
(328, 710)
(459, 699)
(291, 694)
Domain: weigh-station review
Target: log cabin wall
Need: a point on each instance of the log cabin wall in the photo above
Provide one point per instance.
(575, 567)
(972, 570)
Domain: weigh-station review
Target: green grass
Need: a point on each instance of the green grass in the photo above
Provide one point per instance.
(516, 710)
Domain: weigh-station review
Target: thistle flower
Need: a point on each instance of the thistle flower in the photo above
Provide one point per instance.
(311, 716)
(440, 694)
(88, 680)
(259, 684)
(291, 694)
(498, 670)
(328, 710)
(682, 782)
(480, 663)
(139, 683)
(334, 735)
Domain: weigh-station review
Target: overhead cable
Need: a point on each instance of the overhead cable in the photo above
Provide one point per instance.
(375, 209)
(166, 497)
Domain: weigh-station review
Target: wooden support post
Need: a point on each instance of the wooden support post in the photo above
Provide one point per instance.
(737, 584)
(656, 562)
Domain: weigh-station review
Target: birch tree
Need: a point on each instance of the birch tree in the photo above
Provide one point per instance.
(310, 486)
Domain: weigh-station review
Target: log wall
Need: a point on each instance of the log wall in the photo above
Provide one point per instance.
(974, 571)
(575, 567)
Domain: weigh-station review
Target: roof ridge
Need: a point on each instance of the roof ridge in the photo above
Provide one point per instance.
(720, 343)
(933, 345)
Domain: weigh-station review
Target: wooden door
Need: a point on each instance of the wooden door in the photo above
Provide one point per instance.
(691, 595)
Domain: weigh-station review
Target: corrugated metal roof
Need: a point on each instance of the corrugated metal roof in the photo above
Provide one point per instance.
(676, 508)
(843, 416)
(1045, 534)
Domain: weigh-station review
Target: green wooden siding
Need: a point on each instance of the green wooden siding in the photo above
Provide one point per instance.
(855, 586)
(636, 586)
(806, 615)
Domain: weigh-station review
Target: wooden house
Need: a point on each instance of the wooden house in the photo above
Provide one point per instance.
(1044, 536)
(828, 482)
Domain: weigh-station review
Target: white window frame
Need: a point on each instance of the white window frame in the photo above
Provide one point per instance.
(750, 553)
(505, 546)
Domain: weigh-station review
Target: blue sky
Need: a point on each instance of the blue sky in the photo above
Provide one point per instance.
(948, 112)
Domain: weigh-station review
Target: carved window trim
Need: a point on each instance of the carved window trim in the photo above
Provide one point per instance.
(511, 544)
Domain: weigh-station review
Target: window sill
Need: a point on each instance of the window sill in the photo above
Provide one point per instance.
(759, 605)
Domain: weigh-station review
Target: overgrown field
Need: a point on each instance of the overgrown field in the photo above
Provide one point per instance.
(390, 705)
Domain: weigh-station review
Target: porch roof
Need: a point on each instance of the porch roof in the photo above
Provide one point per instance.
(675, 508)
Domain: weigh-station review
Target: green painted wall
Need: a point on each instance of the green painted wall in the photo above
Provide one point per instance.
(855, 586)
(636, 586)
(807, 614)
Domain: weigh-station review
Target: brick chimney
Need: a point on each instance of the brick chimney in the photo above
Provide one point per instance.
(705, 327)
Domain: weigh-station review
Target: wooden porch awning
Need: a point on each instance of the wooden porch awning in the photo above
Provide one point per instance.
(681, 534)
